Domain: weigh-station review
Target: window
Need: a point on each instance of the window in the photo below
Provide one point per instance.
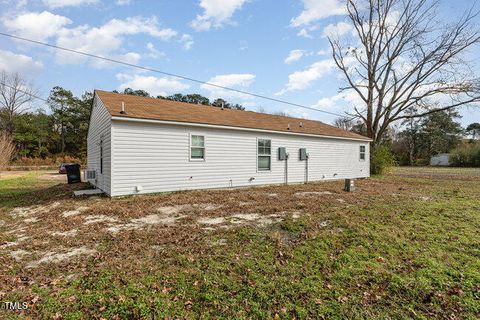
(197, 147)
(101, 156)
(362, 153)
(264, 154)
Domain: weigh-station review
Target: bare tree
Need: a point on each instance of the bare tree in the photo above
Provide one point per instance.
(7, 149)
(344, 123)
(15, 97)
(402, 59)
(350, 124)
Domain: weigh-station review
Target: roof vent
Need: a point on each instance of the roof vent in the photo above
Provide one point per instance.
(123, 108)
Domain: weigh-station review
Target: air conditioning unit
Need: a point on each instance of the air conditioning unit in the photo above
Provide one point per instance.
(90, 175)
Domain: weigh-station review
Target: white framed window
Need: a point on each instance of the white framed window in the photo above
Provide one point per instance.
(197, 148)
(362, 153)
(264, 154)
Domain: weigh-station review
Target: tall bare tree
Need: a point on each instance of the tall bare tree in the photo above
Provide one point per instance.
(15, 97)
(403, 63)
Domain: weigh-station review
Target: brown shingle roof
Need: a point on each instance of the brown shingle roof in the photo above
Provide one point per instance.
(166, 110)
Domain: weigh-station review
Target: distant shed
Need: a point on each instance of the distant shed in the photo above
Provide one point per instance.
(441, 159)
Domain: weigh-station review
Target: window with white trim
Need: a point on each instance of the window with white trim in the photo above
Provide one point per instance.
(264, 154)
(197, 147)
(362, 153)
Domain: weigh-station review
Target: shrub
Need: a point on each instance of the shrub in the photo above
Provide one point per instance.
(422, 162)
(381, 160)
(7, 149)
(467, 155)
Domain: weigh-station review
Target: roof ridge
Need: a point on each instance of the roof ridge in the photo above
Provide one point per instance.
(216, 108)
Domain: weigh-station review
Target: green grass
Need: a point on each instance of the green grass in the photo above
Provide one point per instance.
(386, 259)
(12, 190)
(406, 267)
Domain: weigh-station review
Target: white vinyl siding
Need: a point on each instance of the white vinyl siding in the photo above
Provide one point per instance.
(156, 157)
(99, 145)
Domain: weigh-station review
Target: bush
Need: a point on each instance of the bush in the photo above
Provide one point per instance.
(422, 162)
(467, 155)
(381, 160)
(7, 149)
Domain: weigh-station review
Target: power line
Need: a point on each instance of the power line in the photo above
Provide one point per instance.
(168, 74)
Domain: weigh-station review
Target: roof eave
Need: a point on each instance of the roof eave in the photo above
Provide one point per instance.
(205, 125)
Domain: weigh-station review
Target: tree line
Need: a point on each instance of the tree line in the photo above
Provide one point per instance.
(416, 140)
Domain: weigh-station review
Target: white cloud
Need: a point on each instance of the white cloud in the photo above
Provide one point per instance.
(37, 26)
(235, 80)
(307, 31)
(301, 80)
(304, 33)
(294, 55)
(337, 30)
(216, 13)
(123, 2)
(18, 4)
(323, 52)
(315, 10)
(163, 86)
(130, 57)
(67, 3)
(13, 62)
(343, 101)
(297, 112)
(187, 41)
(153, 52)
(107, 40)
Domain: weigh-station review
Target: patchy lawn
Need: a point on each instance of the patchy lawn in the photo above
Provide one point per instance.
(405, 245)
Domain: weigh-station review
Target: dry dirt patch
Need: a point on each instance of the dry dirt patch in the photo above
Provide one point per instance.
(74, 212)
(101, 218)
(312, 193)
(70, 233)
(143, 222)
(55, 257)
(19, 254)
(34, 210)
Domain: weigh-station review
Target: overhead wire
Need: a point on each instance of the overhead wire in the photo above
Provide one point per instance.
(170, 74)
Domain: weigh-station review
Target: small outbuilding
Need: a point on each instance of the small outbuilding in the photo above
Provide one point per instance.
(441, 159)
(143, 145)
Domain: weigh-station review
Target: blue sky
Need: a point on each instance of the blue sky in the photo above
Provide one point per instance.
(274, 48)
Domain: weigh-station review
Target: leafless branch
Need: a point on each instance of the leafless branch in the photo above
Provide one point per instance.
(402, 57)
(15, 98)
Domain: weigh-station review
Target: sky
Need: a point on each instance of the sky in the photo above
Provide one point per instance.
(270, 47)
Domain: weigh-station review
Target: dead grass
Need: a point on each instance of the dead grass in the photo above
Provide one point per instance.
(297, 251)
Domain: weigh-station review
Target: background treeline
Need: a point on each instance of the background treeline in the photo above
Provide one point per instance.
(418, 139)
(194, 98)
(57, 131)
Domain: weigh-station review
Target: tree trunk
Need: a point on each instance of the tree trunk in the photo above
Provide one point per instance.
(62, 137)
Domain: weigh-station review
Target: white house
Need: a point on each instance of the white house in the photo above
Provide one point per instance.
(143, 145)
